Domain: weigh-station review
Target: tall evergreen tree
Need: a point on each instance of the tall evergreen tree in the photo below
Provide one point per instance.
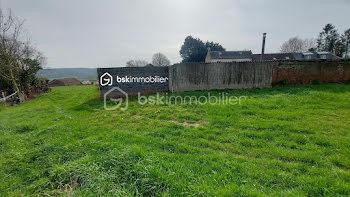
(214, 46)
(195, 50)
(327, 39)
(340, 47)
(346, 40)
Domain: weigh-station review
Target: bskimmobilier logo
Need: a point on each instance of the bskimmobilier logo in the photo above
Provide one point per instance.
(116, 98)
(117, 102)
(106, 79)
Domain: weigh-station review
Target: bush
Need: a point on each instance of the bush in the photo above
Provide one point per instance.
(279, 83)
(316, 82)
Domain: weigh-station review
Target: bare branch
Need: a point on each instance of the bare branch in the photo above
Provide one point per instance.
(160, 59)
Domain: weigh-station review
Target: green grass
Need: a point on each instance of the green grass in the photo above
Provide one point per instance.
(289, 141)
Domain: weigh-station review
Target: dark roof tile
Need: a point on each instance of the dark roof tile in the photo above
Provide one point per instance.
(273, 56)
(231, 54)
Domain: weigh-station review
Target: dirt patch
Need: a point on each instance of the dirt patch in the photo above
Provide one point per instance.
(190, 124)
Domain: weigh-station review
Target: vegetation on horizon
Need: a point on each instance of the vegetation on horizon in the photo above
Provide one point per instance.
(19, 60)
(195, 50)
(328, 40)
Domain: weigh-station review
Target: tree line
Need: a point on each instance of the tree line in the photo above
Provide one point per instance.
(19, 59)
(328, 40)
(158, 59)
(195, 50)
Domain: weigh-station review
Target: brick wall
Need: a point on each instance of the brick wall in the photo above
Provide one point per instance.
(305, 72)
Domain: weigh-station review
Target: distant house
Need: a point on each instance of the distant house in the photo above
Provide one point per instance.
(315, 56)
(320, 55)
(294, 56)
(246, 56)
(273, 57)
(64, 82)
(228, 56)
(86, 82)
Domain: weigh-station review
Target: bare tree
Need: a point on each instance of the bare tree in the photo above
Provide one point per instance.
(309, 43)
(18, 57)
(296, 44)
(136, 63)
(160, 59)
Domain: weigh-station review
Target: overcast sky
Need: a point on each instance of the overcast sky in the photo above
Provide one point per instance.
(82, 33)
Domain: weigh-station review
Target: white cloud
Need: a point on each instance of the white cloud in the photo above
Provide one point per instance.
(83, 33)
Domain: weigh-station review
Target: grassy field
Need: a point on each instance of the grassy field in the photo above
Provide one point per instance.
(285, 141)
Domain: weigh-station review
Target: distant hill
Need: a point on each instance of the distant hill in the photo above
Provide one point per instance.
(58, 73)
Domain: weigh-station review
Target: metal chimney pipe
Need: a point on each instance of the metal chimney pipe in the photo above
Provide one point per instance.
(263, 46)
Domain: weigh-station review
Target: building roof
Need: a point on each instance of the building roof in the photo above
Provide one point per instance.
(270, 56)
(86, 82)
(293, 56)
(64, 82)
(273, 56)
(317, 55)
(298, 56)
(329, 55)
(308, 53)
(231, 54)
